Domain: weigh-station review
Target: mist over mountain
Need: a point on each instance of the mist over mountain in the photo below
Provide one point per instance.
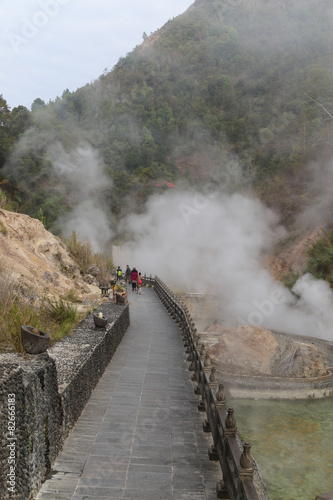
(228, 81)
(229, 103)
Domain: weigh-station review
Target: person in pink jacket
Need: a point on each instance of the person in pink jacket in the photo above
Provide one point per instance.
(134, 277)
(139, 284)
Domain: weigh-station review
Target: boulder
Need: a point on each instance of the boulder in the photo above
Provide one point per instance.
(244, 350)
(301, 360)
(254, 351)
(95, 271)
(90, 279)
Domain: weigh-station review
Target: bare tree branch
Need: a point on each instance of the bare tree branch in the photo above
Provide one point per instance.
(320, 105)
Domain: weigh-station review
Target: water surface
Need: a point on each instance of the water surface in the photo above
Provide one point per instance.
(292, 442)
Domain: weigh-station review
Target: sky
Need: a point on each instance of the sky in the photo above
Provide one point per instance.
(47, 46)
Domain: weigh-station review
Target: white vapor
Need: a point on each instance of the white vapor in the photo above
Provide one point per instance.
(217, 244)
(82, 169)
(320, 185)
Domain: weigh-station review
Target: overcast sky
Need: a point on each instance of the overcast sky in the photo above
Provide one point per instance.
(47, 46)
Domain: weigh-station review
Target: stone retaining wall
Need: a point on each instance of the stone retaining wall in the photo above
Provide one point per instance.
(42, 396)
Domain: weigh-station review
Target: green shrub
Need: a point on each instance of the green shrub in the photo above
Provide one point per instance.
(320, 258)
(290, 279)
(4, 202)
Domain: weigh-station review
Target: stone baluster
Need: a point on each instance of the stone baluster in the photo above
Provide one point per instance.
(202, 352)
(213, 378)
(191, 366)
(246, 462)
(230, 424)
(220, 397)
(207, 363)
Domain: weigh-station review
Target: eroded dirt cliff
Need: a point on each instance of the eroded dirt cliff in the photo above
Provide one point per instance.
(39, 262)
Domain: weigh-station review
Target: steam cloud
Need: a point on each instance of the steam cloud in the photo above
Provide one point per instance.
(82, 168)
(320, 184)
(217, 244)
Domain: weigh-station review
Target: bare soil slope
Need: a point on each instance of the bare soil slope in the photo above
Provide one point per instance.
(39, 262)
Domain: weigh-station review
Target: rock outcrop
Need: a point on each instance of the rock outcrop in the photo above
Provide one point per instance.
(254, 351)
(301, 360)
(39, 262)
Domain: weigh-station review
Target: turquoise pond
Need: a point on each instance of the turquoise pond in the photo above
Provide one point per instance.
(292, 442)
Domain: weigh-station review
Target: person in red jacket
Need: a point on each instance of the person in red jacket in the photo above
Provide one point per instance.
(134, 277)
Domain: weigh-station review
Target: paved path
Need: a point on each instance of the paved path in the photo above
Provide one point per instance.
(140, 435)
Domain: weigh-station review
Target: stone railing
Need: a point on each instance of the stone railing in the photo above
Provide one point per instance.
(148, 280)
(241, 480)
(43, 395)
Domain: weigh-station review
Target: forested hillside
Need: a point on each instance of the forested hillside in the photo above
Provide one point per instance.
(235, 93)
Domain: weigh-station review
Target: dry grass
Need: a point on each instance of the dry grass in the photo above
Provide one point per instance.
(82, 252)
(56, 317)
(13, 312)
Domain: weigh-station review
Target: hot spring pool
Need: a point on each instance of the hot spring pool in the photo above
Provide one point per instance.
(292, 442)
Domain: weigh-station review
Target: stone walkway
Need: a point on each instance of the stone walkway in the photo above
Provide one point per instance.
(140, 435)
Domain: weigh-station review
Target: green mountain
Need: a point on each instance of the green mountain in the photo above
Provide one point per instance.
(237, 93)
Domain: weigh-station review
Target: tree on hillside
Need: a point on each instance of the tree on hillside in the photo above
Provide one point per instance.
(19, 121)
(37, 104)
(4, 135)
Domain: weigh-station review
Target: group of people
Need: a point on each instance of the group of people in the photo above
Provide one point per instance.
(131, 276)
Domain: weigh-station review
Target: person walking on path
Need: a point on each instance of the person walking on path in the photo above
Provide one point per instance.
(134, 277)
(119, 273)
(139, 284)
(127, 274)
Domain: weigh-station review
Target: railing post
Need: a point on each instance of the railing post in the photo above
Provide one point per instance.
(220, 397)
(207, 363)
(230, 424)
(246, 462)
(202, 352)
(213, 378)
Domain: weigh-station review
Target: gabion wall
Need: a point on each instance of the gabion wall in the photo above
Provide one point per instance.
(42, 396)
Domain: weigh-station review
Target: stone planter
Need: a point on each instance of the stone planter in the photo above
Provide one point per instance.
(120, 298)
(100, 321)
(34, 341)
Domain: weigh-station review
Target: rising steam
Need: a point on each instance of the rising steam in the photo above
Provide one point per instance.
(217, 245)
(82, 169)
(82, 178)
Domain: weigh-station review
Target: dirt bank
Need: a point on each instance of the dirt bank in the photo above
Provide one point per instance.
(39, 263)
